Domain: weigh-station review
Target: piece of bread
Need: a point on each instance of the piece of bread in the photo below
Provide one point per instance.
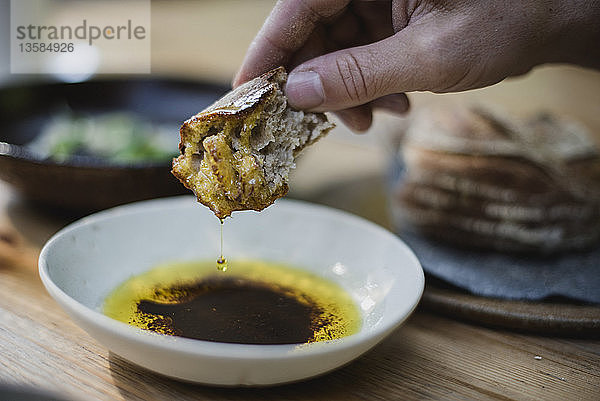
(476, 178)
(238, 152)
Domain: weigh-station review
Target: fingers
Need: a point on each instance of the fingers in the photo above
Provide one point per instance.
(286, 30)
(346, 32)
(408, 61)
(343, 79)
(357, 118)
(375, 19)
(396, 103)
(315, 46)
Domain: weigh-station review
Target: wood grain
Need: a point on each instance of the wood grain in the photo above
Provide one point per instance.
(430, 357)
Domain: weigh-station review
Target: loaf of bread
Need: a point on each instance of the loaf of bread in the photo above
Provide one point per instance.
(476, 178)
(237, 153)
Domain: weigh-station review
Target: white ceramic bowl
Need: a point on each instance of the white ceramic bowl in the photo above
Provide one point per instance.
(82, 263)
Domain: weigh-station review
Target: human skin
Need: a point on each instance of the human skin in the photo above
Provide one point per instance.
(352, 56)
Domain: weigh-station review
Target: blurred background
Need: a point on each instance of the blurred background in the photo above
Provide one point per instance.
(205, 41)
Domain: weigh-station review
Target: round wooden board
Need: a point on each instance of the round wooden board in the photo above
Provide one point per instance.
(366, 197)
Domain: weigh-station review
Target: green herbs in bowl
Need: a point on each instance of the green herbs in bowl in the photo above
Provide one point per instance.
(117, 137)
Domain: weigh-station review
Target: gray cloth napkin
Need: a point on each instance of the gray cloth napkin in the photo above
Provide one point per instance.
(574, 275)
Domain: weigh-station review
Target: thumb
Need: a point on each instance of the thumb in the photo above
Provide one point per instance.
(358, 75)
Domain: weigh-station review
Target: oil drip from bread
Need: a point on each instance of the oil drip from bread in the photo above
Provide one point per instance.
(258, 302)
(221, 261)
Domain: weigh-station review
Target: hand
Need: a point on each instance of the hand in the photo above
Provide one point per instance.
(353, 56)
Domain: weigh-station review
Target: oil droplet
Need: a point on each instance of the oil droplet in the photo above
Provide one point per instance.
(221, 261)
(222, 264)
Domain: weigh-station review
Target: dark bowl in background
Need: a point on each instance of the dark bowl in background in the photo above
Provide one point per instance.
(86, 184)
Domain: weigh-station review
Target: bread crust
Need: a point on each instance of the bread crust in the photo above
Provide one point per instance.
(239, 102)
(236, 154)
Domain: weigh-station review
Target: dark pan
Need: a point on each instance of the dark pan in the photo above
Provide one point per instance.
(85, 184)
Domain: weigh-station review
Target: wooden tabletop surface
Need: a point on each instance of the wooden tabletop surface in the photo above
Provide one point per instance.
(430, 357)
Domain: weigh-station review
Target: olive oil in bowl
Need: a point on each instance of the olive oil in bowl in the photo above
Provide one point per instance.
(254, 302)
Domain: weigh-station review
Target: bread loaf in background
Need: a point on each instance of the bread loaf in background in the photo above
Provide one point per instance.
(477, 178)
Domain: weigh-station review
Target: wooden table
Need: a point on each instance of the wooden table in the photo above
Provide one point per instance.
(429, 357)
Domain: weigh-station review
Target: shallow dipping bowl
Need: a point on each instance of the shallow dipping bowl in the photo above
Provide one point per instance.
(85, 261)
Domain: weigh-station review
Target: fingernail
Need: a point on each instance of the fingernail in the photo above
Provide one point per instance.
(304, 90)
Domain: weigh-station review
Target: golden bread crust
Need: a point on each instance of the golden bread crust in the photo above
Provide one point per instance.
(236, 154)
